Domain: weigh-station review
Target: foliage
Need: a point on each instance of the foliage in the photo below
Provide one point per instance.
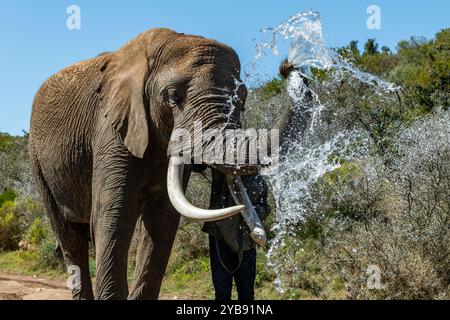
(5, 141)
(47, 259)
(10, 229)
(272, 88)
(8, 195)
(420, 66)
(21, 218)
(37, 232)
(15, 172)
(390, 209)
(395, 219)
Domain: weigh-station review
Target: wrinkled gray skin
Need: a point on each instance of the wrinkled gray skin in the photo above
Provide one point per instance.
(294, 120)
(99, 136)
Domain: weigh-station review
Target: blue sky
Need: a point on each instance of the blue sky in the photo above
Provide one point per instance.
(36, 43)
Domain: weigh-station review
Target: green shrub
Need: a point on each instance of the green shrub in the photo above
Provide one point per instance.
(391, 218)
(8, 195)
(5, 141)
(46, 257)
(10, 228)
(21, 218)
(37, 232)
(272, 88)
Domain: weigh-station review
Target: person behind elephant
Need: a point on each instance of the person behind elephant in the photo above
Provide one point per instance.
(232, 251)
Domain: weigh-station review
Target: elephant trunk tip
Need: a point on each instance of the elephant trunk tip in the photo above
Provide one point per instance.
(286, 68)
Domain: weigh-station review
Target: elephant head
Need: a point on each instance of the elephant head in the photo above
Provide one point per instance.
(163, 81)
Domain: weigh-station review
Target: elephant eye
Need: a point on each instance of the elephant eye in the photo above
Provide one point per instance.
(174, 97)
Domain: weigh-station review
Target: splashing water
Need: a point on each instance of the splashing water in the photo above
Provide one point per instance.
(232, 98)
(307, 49)
(323, 147)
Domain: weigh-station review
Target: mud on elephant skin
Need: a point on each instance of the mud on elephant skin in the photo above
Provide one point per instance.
(99, 135)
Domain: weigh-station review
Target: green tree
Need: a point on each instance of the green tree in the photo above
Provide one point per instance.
(424, 71)
(371, 47)
(350, 51)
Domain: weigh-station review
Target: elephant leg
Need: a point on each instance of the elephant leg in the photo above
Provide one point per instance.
(112, 241)
(73, 240)
(75, 247)
(113, 219)
(158, 227)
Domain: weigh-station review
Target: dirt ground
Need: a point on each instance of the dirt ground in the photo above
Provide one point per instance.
(16, 287)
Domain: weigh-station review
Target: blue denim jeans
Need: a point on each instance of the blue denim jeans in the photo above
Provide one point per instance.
(225, 268)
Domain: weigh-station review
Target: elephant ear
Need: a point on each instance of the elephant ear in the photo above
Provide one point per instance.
(125, 104)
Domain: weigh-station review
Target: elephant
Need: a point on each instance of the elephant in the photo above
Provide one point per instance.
(100, 133)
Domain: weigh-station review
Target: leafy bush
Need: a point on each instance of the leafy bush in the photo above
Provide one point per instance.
(37, 232)
(392, 218)
(46, 255)
(10, 228)
(15, 171)
(20, 219)
(8, 195)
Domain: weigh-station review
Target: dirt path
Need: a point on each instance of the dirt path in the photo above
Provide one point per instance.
(17, 287)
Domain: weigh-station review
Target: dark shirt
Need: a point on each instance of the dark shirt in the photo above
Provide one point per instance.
(234, 231)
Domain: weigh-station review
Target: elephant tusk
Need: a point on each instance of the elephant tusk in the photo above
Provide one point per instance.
(182, 205)
(251, 218)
